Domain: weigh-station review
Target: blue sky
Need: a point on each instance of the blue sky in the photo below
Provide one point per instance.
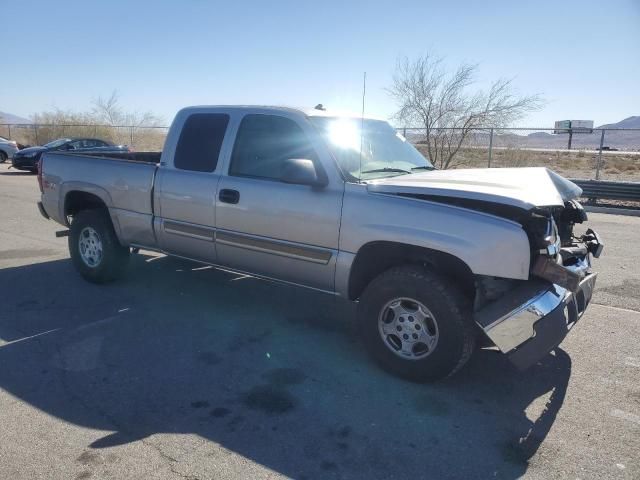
(582, 56)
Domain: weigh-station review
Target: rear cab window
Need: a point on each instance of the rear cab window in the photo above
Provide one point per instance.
(200, 142)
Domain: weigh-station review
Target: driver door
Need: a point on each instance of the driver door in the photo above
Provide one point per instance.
(264, 226)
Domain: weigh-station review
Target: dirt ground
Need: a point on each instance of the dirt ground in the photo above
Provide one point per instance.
(577, 164)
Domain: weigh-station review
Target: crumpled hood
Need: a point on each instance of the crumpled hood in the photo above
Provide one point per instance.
(524, 188)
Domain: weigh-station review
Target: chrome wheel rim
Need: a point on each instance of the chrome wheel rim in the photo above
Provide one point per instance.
(408, 328)
(90, 246)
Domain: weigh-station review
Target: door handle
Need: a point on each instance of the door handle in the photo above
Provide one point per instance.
(229, 196)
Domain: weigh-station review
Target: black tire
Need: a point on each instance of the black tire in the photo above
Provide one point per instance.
(3, 157)
(114, 258)
(451, 311)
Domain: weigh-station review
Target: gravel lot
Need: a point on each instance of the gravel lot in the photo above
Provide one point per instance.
(181, 371)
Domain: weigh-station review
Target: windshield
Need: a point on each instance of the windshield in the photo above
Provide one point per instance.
(385, 152)
(56, 143)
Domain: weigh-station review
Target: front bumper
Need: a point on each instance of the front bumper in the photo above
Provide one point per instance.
(551, 329)
(24, 163)
(530, 321)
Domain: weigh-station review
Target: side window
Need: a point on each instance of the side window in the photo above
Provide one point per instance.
(200, 142)
(264, 143)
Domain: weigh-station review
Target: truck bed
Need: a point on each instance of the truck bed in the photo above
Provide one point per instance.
(144, 157)
(122, 181)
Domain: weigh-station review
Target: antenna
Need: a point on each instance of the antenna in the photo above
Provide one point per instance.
(364, 92)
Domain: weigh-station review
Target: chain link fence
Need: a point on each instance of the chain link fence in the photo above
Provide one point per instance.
(139, 138)
(605, 154)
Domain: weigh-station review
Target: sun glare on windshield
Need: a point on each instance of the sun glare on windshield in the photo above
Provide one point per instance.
(344, 133)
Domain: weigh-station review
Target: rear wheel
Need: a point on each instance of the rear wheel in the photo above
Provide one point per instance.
(94, 247)
(416, 324)
(3, 157)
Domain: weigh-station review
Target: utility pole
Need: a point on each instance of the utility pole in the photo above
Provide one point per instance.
(599, 163)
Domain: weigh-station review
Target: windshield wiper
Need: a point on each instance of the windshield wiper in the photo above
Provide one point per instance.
(387, 169)
(425, 167)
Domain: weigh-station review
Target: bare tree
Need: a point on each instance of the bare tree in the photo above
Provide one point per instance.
(109, 112)
(130, 127)
(442, 104)
(106, 119)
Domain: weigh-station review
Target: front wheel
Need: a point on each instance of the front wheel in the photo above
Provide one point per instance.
(3, 157)
(94, 247)
(416, 324)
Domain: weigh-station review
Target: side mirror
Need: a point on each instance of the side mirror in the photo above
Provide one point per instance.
(301, 171)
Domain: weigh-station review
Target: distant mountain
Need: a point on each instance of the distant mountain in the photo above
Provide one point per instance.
(11, 118)
(621, 140)
(631, 122)
(629, 140)
(543, 135)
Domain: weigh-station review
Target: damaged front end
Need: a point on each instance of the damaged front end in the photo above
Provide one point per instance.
(530, 318)
(525, 319)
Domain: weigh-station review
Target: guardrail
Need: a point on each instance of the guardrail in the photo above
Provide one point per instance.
(598, 189)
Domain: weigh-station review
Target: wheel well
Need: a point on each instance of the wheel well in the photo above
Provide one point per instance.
(76, 201)
(376, 257)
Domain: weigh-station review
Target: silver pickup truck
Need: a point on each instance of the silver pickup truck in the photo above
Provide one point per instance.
(438, 261)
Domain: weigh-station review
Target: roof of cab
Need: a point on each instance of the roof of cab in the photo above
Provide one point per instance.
(246, 107)
(309, 112)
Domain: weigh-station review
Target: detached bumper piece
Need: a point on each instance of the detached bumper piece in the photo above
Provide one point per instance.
(575, 264)
(557, 274)
(530, 321)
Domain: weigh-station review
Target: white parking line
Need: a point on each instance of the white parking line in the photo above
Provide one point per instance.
(628, 310)
(4, 344)
(632, 362)
(630, 417)
(102, 321)
(241, 277)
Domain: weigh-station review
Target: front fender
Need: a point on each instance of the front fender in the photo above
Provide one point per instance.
(487, 244)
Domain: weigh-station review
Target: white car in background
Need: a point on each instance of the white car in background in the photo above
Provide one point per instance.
(7, 149)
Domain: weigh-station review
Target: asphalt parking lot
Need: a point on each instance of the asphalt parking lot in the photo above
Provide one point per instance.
(184, 371)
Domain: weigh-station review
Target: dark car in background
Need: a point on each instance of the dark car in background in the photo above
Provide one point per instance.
(27, 159)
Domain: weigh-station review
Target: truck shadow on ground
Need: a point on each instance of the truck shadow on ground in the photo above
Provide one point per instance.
(273, 373)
